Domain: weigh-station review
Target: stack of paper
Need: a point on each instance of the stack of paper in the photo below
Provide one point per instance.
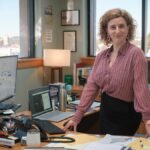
(110, 142)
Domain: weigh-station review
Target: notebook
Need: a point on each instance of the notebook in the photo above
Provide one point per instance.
(40, 104)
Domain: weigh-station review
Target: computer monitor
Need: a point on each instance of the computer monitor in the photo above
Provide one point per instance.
(8, 72)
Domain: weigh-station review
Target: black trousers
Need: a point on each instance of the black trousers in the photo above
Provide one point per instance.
(118, 117)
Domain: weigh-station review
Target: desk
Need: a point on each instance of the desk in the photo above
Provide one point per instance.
(87, 125)
(83, 139)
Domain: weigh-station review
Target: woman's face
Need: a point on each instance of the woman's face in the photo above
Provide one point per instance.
(117, 29)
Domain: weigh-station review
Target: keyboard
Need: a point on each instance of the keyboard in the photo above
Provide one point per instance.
(6, 106)
(55, 116)
(48, 127)
(12, 106)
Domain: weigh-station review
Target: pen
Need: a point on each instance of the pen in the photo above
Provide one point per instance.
(45, 148)
(48, 148)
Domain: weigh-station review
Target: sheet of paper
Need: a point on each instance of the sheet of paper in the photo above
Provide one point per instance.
(110, 142)
(117, 140)
(100, 146)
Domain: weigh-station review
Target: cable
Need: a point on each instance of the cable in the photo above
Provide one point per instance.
(60, 139)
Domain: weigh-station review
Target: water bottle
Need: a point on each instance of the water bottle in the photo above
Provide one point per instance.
(62, 98)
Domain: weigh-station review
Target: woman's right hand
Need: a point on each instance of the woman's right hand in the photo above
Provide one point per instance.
(71, 125)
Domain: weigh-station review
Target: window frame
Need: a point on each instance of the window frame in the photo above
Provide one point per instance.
(30, 28)
(91, 24)
(31, 20)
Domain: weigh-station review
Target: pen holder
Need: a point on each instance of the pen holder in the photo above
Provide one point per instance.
(33, 137)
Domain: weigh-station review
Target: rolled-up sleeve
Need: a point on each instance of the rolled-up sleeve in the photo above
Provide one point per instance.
(88, 95)
(141, 89)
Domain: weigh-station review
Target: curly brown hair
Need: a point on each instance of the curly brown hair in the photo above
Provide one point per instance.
(111, 14)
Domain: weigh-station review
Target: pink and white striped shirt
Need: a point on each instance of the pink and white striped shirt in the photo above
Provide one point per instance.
(126, 79)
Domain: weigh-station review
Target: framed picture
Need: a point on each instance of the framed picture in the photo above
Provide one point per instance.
(69, 40)
(70, 17)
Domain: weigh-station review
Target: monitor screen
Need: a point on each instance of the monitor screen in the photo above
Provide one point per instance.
(39, 100)
(8, 71)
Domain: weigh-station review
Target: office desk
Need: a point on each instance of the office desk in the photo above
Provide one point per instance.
(82, 139)
(87, 125)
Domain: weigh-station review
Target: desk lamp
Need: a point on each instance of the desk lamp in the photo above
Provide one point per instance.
(56, 59)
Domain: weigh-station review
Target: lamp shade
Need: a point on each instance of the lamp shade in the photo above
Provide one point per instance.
(56, 57)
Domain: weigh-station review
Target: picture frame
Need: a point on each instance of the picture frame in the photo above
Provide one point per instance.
(70, 17)
(69, 40)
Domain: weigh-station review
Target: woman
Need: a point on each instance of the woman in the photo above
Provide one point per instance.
(120, 73)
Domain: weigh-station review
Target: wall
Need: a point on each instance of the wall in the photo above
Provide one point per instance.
(27, 79)
(57, 29)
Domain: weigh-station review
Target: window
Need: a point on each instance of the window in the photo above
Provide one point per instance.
(97, 9)
(15, 27)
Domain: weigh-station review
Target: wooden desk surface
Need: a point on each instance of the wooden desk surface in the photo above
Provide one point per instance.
(60, 124)
(80, 138)
(85, 126)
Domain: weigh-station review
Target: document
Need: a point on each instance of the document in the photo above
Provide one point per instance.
(100, 146)
(110, 142)
(117, 140)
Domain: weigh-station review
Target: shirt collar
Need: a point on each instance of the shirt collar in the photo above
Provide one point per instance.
(122, 50)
